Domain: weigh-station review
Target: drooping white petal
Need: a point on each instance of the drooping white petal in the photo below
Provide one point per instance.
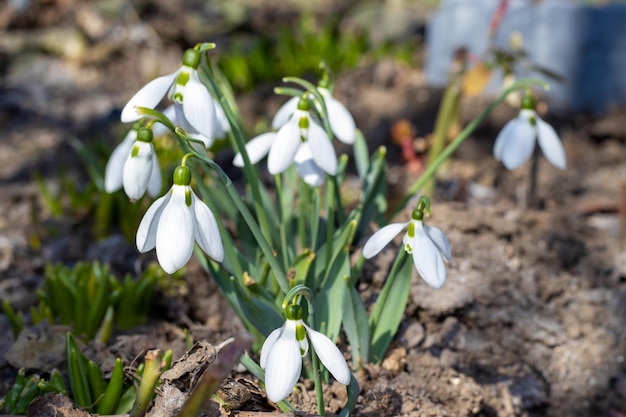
(284, 148)
(501, 139)
(203, 144)
(257, 148)
(341, 121)
(115, 165)
(198, 106)
(150, 95)
(427, 259)
(309, 171)
(156, 181)
(146, 232)
(268, 344)
(519, 143)
(440, 240)
(207, 232)
(175, 234)
(285, 112)
(222, 126)
(322, 148)
(284, 364)
(550, 144)
(330, 355)
(381, 238)
(137, 170)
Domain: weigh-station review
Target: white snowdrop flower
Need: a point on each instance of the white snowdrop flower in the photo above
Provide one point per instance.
(175, 221)
(282, 352)
(428, 245)
(138, 171)
(142, 171)
(301, 141)
(340, 120)
(193, 103)
(516, 141)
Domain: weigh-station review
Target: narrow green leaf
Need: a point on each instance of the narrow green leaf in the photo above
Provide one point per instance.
(389, 308)
(355, 324)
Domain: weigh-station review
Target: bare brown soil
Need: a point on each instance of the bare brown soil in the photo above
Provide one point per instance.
(529, 323)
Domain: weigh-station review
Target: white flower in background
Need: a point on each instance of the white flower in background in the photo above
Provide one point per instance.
(428, 245)
(301, 141)
(340, 120)
(175, 221)
(133, 165)
(282, 352)
(516, 141)
(194, 106)
(139, 167)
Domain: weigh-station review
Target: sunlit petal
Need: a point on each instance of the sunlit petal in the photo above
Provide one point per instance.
(284, 148)
(115, 165)
(550, 144)
(156, 181)
(268, 344)
(381, 238)
(284, 364)
(175, 234)
(322, 148)
(285, 112)
(137, 170)
(520, 142)
(257, 148)
(440, 240)
(341, 121)
(146, 233)
(427, 259)
(502, 138)
(308, 170)
(199, 107)
(330, 355)
(150, 95)
(207, 232)
(222, 126)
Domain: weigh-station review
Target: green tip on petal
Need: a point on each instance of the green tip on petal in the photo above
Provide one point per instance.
(300, 333)
(303, 123)
(191, 58)
(182, 175)
(293, 312)
(144, 134)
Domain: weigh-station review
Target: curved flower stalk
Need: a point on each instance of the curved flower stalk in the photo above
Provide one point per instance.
(428, 245)
(193, 104)
(516, 141)
(175, 221)
(282, 352)
(340, 120)
(301, 141)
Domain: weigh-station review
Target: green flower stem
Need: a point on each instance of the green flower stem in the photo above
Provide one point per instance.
(302, 290)
(239, 145)
(431, 170)
(149, 379)
(264, 245)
